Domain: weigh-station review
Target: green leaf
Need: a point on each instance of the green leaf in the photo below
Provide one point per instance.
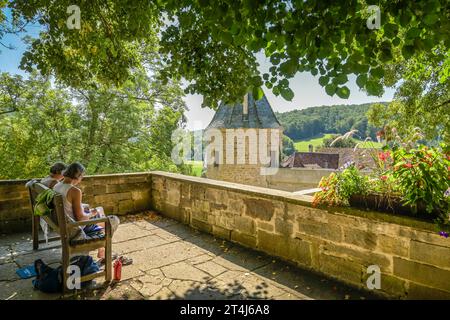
(396, 41)
(323, 80)
(330, 89)
(343, 92)
(377, 72)
(289, 67)
(340, 79)
(361, 80)
(408, 51)
(413, 33)
(258, 93)
(431, 19)
(275, 58)
(284, 82)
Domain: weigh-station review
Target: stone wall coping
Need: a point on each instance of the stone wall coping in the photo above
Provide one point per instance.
(262, 192)
(241, 188)
(311, 169)
(303, 200)
(130, 174)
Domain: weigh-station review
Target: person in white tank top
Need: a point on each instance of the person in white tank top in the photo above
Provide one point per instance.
(73, 206)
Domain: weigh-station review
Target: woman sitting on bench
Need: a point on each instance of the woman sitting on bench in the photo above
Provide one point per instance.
(74, 208)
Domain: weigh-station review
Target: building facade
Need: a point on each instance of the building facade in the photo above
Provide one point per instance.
(244, 142)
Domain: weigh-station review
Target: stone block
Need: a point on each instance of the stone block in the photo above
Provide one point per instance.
(111, 198)
(430, 254)
(259, 209)
(220, 232)
(389, 285)
(266, 226)
(199, 215)
(360, 238)
(171, 211)
(198, 192)
(126, 206)
(288, 248)
(244, 225)
(224, 220)
(98, 189)
(362, 256)
(284, 227)
(421, 292)
(422, 273)
(200, 225)
(243, 238)
(236, 206)
(341, 268)
(322, 230)
(393, 245)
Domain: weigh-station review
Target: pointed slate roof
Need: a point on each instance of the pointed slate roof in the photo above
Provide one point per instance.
(260, 116)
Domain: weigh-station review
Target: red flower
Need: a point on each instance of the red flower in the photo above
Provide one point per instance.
(384, 178)
(408, 165)
(384, 155)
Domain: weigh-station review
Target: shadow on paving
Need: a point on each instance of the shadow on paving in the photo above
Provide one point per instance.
(220, 270)
(305, 282)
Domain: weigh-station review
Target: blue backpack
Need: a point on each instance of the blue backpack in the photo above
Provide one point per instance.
(49, 280)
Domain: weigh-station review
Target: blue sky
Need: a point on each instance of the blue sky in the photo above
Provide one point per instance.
(307, 90)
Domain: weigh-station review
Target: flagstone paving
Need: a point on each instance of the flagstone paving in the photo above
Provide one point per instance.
(173, 261)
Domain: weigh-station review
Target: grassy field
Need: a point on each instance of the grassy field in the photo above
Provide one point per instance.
(197, 167)
(302, 145)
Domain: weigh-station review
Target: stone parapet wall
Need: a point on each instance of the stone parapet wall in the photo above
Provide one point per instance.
(340, 242)
(15, 213)
(116, 193)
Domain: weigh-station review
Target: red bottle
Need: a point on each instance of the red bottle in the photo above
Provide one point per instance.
(118, 269)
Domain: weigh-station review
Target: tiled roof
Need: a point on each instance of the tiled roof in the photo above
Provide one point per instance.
(260, 115)
(303, 159)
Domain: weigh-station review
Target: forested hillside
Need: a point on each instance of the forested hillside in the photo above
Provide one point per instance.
(310, 122)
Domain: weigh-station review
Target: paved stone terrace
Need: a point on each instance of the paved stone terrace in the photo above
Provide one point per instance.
(173, 261)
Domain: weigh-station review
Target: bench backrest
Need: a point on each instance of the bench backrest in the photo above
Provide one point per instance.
(57, 220)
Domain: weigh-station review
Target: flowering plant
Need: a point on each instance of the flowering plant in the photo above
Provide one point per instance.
(422, 176)
(418, 176)
(338, 187)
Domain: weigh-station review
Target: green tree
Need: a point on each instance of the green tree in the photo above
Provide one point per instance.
(288, 146)
(422, 101)
(341, 143)
(107, 129)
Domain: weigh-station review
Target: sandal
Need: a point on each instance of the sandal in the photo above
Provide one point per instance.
(101, 261)
(125, 260)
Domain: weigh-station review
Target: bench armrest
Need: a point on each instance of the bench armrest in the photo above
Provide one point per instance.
(88, 222)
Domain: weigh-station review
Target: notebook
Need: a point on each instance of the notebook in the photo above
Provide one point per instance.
(26, 272)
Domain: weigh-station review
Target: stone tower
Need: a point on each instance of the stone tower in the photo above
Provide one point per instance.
(246, 141)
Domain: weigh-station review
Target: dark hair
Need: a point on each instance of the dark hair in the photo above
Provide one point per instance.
(57, 168)
(74, 170)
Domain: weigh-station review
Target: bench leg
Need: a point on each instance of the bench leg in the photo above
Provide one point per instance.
(35, 231)
(108, 259)
(65, 265)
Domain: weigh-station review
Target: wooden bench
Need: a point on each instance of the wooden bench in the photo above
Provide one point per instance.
(59, 222)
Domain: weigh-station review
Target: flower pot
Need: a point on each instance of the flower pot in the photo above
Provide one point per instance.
(391, 204)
